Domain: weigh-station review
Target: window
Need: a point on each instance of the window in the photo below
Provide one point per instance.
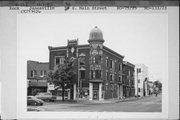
(33, 73)
(111, 77)
(107, 62)
(59, 60)
(138, 70)
(139, 81)
(92, 74)
(98, 74)
(120, 79)
(107, 75)
(82, 61)
(93, 59)
(111, 63)
(139, 90)
(97, 59)
(43, 73)
(82, 74)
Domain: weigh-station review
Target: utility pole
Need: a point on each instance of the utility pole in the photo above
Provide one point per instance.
(137, 82)
(78, 78)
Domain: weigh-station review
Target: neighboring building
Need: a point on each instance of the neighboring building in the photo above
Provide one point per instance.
(141, 80)
(150, 87)
(99, 70)
(36, 76)
(128, 79)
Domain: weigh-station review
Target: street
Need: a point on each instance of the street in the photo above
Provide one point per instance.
(145, 104)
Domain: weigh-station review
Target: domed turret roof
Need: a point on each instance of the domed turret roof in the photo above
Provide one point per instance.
(96, 35)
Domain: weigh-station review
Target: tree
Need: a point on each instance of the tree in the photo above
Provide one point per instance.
(63, 77)
(158, 85)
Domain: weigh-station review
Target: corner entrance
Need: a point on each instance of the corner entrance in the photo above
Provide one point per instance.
(95, 94)
(95, 91)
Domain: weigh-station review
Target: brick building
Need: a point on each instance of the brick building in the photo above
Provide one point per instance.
(128, 79)
(99, 68)
(36, 76)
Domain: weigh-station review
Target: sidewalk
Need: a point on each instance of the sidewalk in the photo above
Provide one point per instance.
(109, 100)
(115, 100)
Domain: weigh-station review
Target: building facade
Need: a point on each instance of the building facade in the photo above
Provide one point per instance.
(150, 87)
(141, 80)
(128, 79)
(36, 77)
(98, 68)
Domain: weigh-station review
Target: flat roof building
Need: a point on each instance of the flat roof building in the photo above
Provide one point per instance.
(36, 76)
(98, 67)
(141, 79)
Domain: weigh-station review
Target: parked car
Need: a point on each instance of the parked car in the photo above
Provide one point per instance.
(32, 100)
(46, 96)
(29, 108)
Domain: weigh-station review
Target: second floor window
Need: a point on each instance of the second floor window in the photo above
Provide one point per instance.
(138, 70)
(120, 79)
(82, 74)
(98, 74)
(59, 60)
(111, 77)
(43, 73)
(33, 73)
(138, 81)
(107, 75)
(92, 74)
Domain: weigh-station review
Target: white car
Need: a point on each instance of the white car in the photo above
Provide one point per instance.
(46, 96)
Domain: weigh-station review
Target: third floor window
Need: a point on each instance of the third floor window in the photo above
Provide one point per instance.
(59, 60)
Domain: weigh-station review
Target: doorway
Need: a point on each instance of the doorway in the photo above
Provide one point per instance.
(95, 94)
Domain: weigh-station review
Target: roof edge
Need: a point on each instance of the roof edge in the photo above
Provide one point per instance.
(122, 56)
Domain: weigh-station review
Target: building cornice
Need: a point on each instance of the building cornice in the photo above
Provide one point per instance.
(112, 52)
(129, 64)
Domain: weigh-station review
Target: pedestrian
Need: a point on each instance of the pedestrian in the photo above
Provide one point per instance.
(156, 93)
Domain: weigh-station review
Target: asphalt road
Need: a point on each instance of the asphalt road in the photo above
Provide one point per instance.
(147, 104)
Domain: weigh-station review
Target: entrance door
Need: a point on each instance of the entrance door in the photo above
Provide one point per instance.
(95, 94)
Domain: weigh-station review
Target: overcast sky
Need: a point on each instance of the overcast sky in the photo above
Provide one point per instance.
(141, 38)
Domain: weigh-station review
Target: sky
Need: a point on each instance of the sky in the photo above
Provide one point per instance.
(141, 38)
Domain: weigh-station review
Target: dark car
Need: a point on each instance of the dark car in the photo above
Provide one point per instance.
(31, 100)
